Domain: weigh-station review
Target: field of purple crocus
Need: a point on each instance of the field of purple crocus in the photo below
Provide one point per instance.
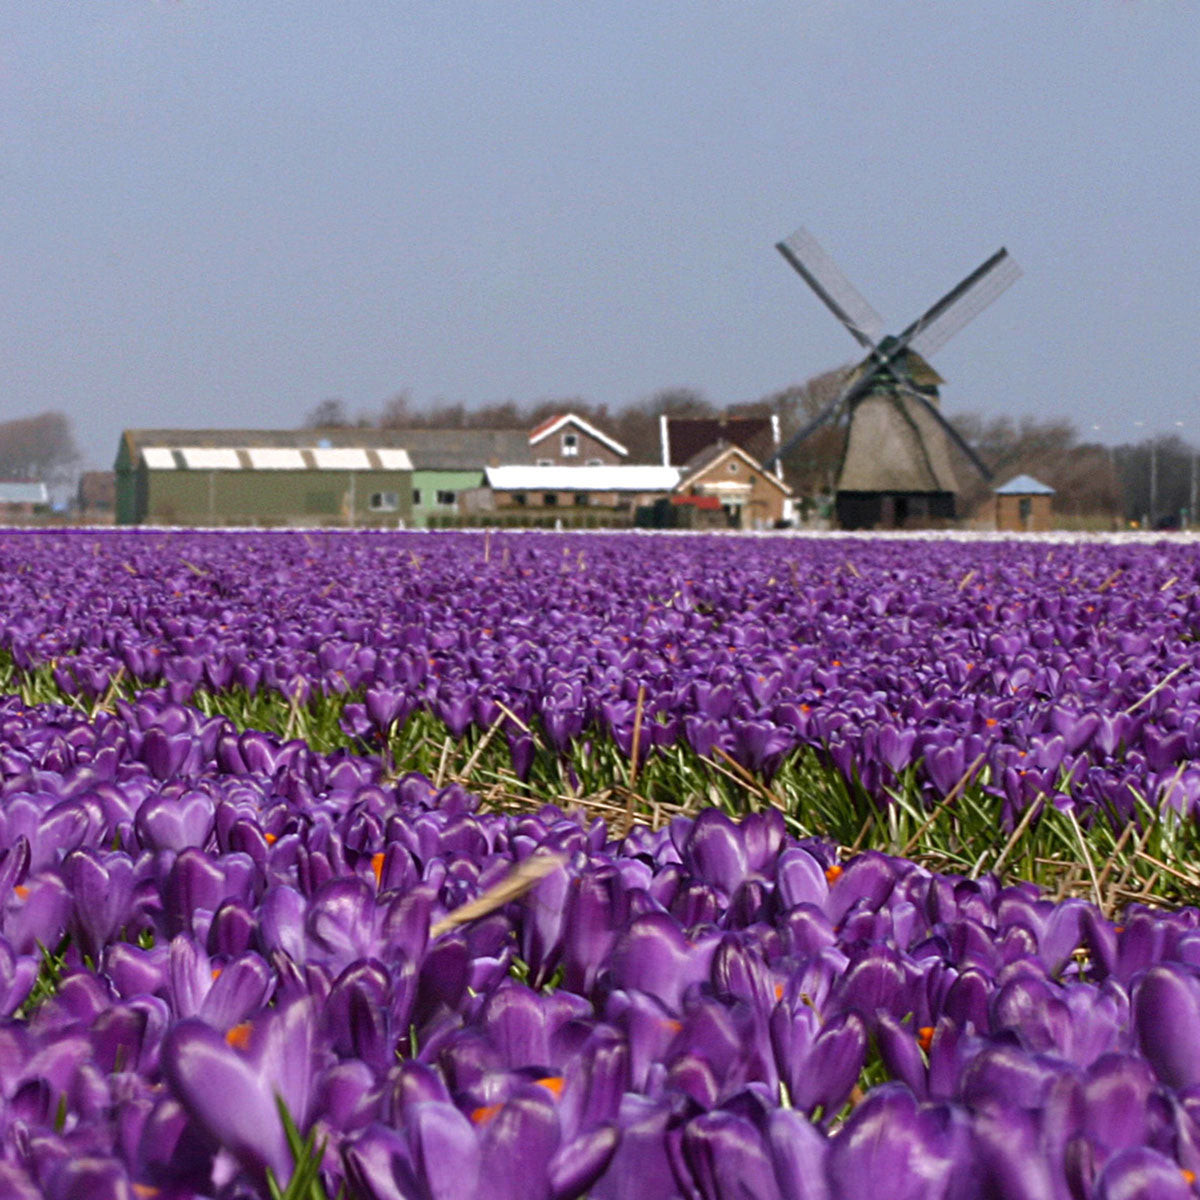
(241, 963)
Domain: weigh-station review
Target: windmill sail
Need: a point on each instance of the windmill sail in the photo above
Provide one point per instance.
(963, 304)
(835, 291)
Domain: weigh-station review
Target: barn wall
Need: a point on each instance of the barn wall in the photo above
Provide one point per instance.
(1009, 518)
(428, 483)
(245, 497)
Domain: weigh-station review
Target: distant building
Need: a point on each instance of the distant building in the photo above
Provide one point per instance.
(617, 487)
(1023, 505)
(22, 498)
(96, 496)
(346, 477)
(449, 463)
(751, 496)
(569, 441)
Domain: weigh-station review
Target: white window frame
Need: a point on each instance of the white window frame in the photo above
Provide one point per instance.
(384, 502)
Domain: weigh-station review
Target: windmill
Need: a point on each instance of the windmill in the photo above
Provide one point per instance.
(896, 467)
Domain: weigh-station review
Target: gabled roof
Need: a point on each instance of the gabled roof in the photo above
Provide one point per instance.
(1024, 485)
(707, 459)
(554, 424)
(688, 436)
(620, 477)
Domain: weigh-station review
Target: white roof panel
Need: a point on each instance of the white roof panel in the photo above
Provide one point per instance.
(210, 458)
(583, 479)
(341, 458)
(275, 458)
(158, 458)
(394, 460)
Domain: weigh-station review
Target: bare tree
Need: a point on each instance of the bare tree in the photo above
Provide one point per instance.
(1083, 476)
(40, 447)
(811, 466)
(329, 414)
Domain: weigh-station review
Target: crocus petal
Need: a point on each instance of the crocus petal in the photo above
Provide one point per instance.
(226, 1095)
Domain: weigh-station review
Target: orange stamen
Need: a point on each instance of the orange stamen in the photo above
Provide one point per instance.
(1188, 1176)
(144, 1191)
(239, 1036)
(270, 838)
(377, 867)
(552, 1083)
(779, 991)
(482, 1115)
(925, 1037)
(22, 891)
(834, 873)
(216, 972)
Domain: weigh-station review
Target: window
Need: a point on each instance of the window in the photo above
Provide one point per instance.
(570, 445)
(416, 497)
(518, 498)
(582, 498)
(595, 462)
(549, 499)
(384, 502)
(733, 466)
(545, 462)
(447, 499)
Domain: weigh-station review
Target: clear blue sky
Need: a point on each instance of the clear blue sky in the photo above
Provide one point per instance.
(220, 212)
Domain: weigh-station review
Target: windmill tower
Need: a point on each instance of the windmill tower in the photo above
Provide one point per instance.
(896, 469)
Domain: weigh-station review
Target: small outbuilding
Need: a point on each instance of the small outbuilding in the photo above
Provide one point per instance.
(1023, 505)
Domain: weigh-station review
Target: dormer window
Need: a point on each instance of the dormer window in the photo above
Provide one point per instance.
(733, 466)
(570, 445)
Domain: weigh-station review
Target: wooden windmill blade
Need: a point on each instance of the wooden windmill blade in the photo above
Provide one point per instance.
(860, 382)
(833, 289)
(962, 304)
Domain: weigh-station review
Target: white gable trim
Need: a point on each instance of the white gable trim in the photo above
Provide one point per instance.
(748, 459)
(590, 430)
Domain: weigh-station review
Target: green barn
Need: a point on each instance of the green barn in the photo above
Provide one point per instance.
(356, 478)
